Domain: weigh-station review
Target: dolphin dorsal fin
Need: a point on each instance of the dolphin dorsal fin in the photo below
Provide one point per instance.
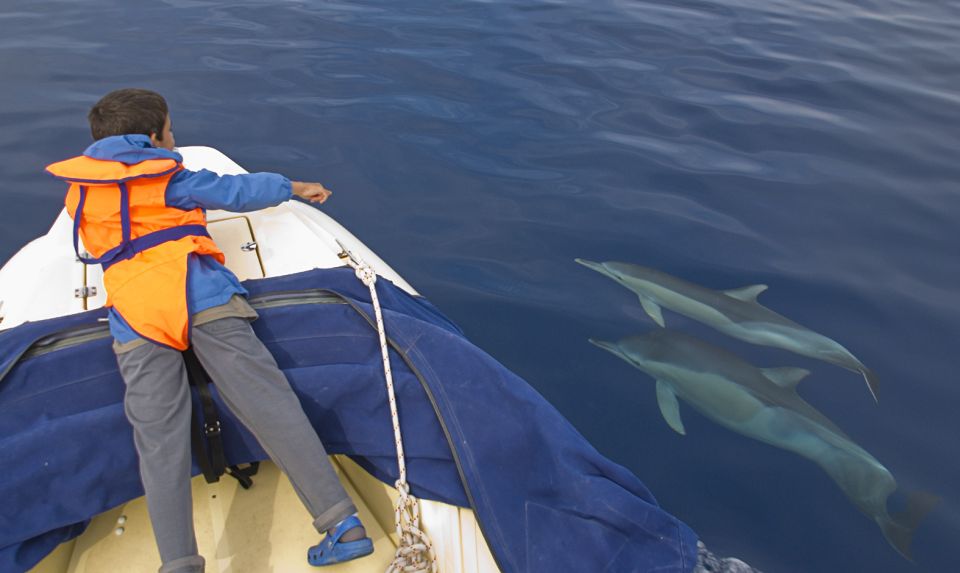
(747, 293)
(669, 407)
(786, 377)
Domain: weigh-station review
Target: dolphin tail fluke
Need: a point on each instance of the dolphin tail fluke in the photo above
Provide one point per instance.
(872, 383)
(900, 526)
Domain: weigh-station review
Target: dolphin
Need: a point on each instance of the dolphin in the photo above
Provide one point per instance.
(763, 404)
(733, 312)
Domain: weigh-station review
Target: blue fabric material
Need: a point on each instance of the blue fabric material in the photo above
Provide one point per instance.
(209, 283)
(237, 193)
(475, 434)
(128, 149)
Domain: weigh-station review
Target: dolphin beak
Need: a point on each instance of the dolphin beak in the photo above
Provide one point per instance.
(595, 266)
(608, 346)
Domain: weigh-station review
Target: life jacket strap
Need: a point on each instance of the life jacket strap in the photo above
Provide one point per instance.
(153, 239)
(115, 252)
(205, 431)
(128, 247)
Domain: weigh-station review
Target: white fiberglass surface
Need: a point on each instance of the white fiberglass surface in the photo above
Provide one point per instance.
(41, 280)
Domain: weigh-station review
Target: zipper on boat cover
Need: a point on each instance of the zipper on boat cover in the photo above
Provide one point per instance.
(75, 336)
(72, 337)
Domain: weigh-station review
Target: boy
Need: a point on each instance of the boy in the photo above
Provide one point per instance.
(142, 216)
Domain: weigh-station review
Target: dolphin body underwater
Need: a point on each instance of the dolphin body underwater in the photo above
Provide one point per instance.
(763, 404)
(734, 312)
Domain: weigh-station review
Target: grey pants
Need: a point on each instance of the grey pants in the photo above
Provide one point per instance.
(157, 403)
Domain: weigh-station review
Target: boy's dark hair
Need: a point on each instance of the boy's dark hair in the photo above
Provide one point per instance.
(127, 111)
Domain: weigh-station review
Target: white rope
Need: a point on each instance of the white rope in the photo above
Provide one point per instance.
(415, 552)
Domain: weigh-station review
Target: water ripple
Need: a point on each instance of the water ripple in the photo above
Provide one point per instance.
(480, 146)
(223, 65)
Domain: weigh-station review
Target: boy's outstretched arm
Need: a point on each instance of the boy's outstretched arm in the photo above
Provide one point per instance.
(238, 193)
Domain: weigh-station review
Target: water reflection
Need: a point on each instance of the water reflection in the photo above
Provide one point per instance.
(763, 404)
(734, 312)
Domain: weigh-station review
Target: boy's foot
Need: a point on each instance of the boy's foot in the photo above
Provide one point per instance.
(344, 542)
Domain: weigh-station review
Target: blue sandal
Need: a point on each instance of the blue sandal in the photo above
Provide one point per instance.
(331, 550)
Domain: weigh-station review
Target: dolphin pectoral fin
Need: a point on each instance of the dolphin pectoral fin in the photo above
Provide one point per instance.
(653, 310)
(747, 293)
(787, 377)
(871, 380)
(669, 407)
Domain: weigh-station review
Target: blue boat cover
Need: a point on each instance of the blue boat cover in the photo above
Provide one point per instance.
(475, 434)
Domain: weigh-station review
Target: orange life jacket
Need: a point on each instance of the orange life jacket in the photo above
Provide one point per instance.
(121, 214)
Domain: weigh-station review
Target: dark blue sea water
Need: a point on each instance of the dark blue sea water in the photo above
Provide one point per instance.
(480, 146)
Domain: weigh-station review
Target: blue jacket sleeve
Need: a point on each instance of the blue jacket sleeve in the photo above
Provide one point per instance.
(239, 193)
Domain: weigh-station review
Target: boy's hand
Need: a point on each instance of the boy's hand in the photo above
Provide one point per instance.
(313, 192)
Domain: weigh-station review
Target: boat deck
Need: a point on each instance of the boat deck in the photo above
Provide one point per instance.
(266, 529)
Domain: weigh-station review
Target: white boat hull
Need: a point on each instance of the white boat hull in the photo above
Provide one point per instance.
(265, 528)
